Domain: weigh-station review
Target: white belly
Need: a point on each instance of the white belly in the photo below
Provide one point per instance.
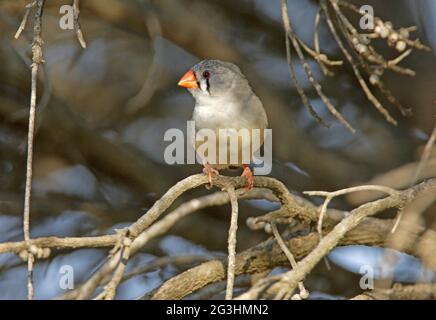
(227, 124)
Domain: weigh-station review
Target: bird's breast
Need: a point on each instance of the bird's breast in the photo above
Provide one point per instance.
(215, 117)
(226, 120)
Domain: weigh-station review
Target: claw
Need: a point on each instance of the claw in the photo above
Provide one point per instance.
(248, 174)
(210, 171)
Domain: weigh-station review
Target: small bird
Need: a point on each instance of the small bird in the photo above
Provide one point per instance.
(224, 100)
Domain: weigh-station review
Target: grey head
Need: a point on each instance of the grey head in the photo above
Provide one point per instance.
(216, 80)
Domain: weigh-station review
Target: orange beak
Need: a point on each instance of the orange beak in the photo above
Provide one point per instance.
(189, 80)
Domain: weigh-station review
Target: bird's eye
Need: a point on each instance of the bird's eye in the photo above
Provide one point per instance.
(206, 74)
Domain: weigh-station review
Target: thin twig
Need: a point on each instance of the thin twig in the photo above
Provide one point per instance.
(25, 18)
(181, 260)
(425, 155)
(110, 290)
(303, 292)
(350, 59)
(159, 228)
(59, 243)
(321, 58)
(422, 164)
(300, 90)
(325, 70)
(419, 291)
(232, 242)
(330, 195)
(356, 216)
(290, 33)
(77, 27)
(37, 59)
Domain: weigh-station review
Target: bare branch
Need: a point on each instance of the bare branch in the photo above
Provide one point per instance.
(37, 60)
(420, 291)
(290, 33)
(285, 292)
(77, 27)
(268, 255)
(350, 59)
(330, 195)
(334, 237)
(232, 242)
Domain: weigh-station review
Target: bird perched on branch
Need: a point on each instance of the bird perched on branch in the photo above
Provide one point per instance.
(225, 101)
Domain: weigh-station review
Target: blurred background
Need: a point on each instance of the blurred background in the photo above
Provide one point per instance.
(103, 111)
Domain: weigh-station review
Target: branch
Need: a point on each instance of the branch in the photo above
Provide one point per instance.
(77, 27)
(60, 243)
(290, 33)
(148, 230)
(422, 291)
(351, 61)
(284, 293)
(332, 239)
(330, 195)
(232, 242)
(268, 254)
(37, 60)
(23, 23)
(260, 258)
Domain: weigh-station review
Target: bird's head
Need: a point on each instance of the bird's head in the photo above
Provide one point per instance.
(214, 79)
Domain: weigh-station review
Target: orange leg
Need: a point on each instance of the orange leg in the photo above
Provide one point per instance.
(209, 171)
(248, 174)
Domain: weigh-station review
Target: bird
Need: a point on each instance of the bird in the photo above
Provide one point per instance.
(225, 100)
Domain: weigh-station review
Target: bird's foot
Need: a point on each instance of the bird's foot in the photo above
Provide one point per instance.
(248, 174)
(209, 171)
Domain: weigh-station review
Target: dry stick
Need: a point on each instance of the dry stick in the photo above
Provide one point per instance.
(348, 56)
(110, 290)
(405, 111)
(303, 292)
(300, 90)
(218, 198)
(37, 59)
(197, 180)
(162, 226)
(264, 257)
(25, 18)
(378, 59)
(167, 260)
(422, 164)
(317, 49)
(321, 58)
(393, 64)
(375, 57)
(232, 242)
(330, 195)
(412, 43)
(216, 290)
(45, 98)
(425, 155)
(290, 33)
(77, 27)
(291, 278)
(404, 236)
(421, 291)
(268, 255)
(153, 231)
(164, 202)
(325, 70)
(60, 243)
